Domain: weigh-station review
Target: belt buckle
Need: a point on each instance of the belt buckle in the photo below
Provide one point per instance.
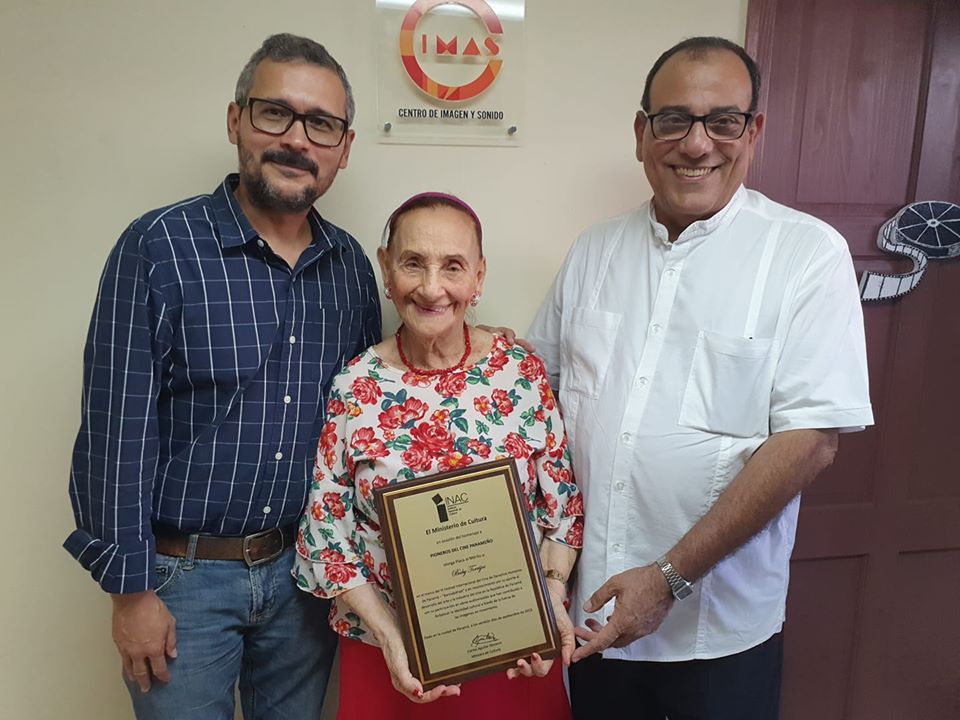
(256, 536)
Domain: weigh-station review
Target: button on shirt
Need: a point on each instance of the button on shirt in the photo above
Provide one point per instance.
(675, 361)
(205, 373)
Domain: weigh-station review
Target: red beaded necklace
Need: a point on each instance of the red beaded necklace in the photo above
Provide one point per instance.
(437, 371)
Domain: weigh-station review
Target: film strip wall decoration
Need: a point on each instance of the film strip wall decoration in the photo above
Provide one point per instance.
(922, 231)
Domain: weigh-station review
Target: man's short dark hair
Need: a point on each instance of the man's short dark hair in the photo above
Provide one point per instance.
(284, 47)
(697, 47)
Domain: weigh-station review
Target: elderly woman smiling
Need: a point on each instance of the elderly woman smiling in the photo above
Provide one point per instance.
(438, 395)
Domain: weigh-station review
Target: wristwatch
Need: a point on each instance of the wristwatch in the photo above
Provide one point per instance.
(678, 584)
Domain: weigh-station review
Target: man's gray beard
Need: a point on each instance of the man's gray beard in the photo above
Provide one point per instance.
(266, 197)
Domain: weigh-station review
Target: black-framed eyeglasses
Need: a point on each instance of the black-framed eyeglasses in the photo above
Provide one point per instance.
(276, 118)
(674, 125)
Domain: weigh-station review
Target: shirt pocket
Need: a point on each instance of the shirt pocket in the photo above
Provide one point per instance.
(588, 345)
(729, 386)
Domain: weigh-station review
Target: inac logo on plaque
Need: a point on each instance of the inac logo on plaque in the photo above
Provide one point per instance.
(468, 60)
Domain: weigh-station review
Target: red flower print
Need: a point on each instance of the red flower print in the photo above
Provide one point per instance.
(479, 448)
(504, 404)
(334, 504)
(376, 450)
(550, 442)
(342, 627)
(558, 452)
(364, 487)
(540, 416)
(368, 560)
(515, 445)
(316, 511)
(365, 441)
(354, 361)
(339, 574)
(435, 438)
(546, 395)
(329, 555)
(384, 573)
(336, 407)
(497, 360)
(379, 481)
(418, 458)
(414, 409)
(559, 475)
(353, 410)
(454, 460)
(531, 368)
(574, 536)
(416, 380)
(301, 544)
(328, 438)
(366, 390)
(440, 417)
(451, 384)
(329, 458)
(398, 415)
(548, 503)
(574, 505)
(482, 404)
(392, 417)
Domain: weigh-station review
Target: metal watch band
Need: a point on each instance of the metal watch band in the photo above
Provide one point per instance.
(678, 584)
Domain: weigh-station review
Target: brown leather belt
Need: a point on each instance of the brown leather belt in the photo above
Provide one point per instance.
(254, 549)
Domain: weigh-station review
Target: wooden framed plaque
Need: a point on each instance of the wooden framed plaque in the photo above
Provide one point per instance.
(469, 589)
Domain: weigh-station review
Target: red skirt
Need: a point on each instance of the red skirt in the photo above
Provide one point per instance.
(366, 692)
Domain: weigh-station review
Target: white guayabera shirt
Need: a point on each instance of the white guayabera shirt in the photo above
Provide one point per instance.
(675, 362)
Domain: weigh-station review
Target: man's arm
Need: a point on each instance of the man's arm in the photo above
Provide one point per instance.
(115, 458)
(782, 467)
(372, 318)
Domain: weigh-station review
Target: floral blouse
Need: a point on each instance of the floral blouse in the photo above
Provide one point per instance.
(386, 426)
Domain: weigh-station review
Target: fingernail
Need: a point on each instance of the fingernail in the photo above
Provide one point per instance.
(418, 693)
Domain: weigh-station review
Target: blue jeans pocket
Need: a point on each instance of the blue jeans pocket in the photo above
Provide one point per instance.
(168, 571)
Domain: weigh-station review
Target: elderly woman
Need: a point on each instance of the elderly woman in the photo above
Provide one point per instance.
(438, 395)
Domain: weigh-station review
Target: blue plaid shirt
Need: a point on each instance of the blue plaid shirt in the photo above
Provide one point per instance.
(206, 370)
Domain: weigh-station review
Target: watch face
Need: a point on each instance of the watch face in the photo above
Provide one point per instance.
(681, 592)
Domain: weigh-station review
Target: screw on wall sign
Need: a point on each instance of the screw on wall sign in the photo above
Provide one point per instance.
(922, 231)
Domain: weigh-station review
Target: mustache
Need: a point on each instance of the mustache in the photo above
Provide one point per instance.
(285, 157)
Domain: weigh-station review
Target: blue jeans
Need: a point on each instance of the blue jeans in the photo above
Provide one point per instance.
(238, 623)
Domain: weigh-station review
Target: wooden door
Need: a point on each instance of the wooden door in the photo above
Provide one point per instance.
(863, 116)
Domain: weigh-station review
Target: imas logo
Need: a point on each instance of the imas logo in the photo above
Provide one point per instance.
(449, 505)
(455, 46)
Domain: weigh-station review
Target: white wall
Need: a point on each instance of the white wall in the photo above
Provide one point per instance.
(109, 108)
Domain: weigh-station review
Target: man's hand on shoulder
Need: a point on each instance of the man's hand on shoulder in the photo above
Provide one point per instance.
(145, 634)
(643, 599)
(509, 335)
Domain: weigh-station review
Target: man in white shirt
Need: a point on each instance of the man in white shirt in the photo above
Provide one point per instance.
(708, 349)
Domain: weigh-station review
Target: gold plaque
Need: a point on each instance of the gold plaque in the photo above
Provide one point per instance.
(469, 589)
